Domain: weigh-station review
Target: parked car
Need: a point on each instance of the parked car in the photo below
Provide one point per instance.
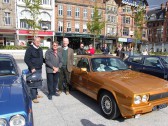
(119, 90)
(15, 102)
(153, 65)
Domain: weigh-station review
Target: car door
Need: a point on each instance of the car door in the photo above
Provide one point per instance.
(79, 76)
(153, 66)
(135, 63)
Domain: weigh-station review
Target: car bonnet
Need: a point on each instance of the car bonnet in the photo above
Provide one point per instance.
(11, 95)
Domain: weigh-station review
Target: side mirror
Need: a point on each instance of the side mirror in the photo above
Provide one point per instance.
(84, 70)
(25, 71)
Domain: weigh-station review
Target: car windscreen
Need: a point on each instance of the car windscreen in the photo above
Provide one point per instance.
(164, 60)
(6, 67)
(107, 64)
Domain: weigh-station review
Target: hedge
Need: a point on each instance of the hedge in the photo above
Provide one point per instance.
(16, 47)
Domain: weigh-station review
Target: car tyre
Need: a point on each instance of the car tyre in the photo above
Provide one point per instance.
(108, 106)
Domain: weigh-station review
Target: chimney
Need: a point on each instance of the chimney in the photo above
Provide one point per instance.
(162, 6)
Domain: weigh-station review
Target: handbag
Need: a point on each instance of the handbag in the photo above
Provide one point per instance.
(34, 79)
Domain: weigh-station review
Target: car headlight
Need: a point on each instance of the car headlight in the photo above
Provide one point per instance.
(3, 122)
(17, 120)
(144, 98)
(137, 99)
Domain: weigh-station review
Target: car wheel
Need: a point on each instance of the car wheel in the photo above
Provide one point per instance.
(108, 106)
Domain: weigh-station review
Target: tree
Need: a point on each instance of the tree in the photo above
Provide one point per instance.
(34, 7)
(96, 24)
(139, 21)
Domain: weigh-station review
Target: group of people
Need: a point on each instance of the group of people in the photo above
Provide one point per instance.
(91, 50)
(58, 61)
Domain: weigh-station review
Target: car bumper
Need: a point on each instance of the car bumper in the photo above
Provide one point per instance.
(130, 111)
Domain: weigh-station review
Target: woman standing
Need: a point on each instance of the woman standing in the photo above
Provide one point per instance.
(53, 60)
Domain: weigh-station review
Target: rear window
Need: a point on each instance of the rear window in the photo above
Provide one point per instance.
(6, 67)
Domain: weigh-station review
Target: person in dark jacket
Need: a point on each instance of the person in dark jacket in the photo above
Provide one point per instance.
(53, 60)
(81, 50)
(105, 49)
(34, 60)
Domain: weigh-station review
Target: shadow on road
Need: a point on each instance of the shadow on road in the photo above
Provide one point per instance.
(44, 87)
(86, 122)
(91, 103)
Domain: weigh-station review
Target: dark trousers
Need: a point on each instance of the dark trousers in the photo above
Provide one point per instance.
(64, 79)
(34, 93)
(52, 81)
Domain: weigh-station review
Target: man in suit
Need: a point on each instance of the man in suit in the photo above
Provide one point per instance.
(66, 69)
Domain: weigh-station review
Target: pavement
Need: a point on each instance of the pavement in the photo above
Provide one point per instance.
(77, 109)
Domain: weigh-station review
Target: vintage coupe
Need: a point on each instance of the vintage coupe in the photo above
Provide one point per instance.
(119, 90)
(153, 65)
(15, 102)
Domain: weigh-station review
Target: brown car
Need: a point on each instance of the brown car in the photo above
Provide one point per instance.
(119, 90)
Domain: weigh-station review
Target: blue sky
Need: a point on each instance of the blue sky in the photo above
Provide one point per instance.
(155, 3)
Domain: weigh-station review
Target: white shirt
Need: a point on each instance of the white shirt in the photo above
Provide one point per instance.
(35, 46)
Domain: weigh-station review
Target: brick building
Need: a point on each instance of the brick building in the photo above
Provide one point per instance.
(71, 18)
(122, 26)
(7, 22)
(157, 28)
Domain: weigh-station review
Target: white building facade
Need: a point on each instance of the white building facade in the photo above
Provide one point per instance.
(46, 21)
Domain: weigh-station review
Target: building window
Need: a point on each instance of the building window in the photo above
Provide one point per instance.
(60, 10)
(144, 33)
(76, 27)
(45, 24)
(126, 9)
(7, 18)
(68, 27)
(77, 11)
(23, 24)
(126, 20)
(46, 2)
(126, 31)
(60, 26)
(84, 28)
(84, 13)
(111, 19)
(69, 11)
(111, 31)
(5, 1)
(92, 13)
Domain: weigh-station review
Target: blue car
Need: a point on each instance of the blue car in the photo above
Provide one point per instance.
(153, 65)
(15, 102)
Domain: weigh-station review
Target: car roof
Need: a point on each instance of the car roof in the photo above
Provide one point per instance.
(6, 55)
(148, 56)
(97, 56)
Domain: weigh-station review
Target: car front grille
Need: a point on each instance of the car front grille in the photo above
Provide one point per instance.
(158, 96)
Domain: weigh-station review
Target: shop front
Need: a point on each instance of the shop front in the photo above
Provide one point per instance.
(75, 39)
(7, 37)
(25, 37)
(126, 42)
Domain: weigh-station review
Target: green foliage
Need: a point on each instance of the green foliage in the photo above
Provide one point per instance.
(98, 51)
(17, 47)
(159, 53)
(96, 24)
(139, 21)
(34, 8)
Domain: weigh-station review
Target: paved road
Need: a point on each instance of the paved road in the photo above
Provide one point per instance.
(78, 109)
